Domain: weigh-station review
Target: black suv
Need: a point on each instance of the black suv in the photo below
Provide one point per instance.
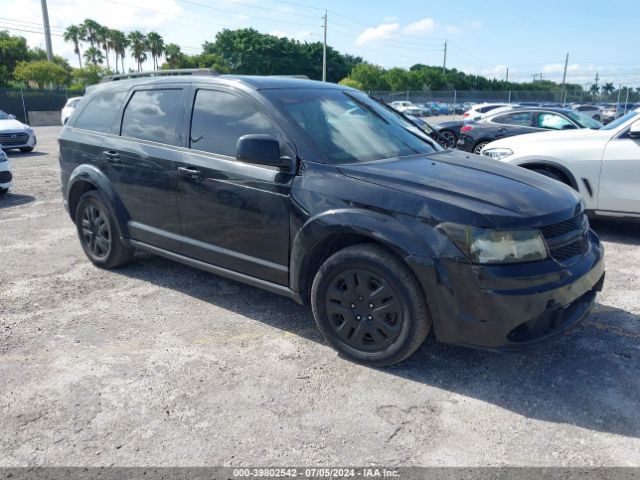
(323, 194)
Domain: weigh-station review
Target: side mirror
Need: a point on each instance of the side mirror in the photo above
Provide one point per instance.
(261, 149)
(12, 116)
(634, 131)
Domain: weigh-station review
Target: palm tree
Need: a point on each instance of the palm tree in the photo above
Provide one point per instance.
(91, 29)
(93, 55)
(102, 36)
(594, 90)
(119, 45)
(74, 35)
(156, 47)
(608, 88)
(138, 44)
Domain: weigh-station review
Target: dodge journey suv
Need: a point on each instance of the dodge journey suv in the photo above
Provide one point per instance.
(320, 193)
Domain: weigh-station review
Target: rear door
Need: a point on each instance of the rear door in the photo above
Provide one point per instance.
(234, 215)
(620, 175)
(140, 162)
(513, 123)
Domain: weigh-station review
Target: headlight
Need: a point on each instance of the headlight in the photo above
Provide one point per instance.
(482, 245)
(29, 130)
(497, 153)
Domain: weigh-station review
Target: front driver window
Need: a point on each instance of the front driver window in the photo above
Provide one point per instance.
(554, 122)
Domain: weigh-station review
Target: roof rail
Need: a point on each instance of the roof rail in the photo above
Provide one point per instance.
(161, 73)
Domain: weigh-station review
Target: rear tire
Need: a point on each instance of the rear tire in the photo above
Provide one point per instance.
(3, 191)
(26, 149)
(98, 233)
(369, 306)
(449, 137)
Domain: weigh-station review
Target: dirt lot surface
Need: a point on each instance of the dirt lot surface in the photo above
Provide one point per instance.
(160, 364)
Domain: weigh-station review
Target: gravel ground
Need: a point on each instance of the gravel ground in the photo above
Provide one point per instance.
(160, 364)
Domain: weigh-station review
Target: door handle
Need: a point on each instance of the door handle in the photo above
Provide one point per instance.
(112, 156)
(189, 172)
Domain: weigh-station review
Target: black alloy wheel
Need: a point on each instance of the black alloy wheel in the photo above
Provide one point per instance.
(364, 310)
(96, 234)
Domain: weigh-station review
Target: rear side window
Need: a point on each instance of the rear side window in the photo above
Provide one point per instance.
(517, 118)
(98, 115)
(220, 118)
(153, 115)
(554, 122)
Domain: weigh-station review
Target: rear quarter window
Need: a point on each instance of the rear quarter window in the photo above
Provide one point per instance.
(99, 113)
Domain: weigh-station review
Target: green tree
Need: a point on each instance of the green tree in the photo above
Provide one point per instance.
(138, 45)
(93, 55)
(73, 34)
(594, 90)
(173, 56)
(42, 73)
(90, 75)
(13, 49)
(156, 47)
(350, 82)
(371, 77)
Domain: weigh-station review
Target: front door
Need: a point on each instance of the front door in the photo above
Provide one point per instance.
(234, 215)
(620, 175)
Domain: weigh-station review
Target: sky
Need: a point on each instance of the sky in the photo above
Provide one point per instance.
(484, 37)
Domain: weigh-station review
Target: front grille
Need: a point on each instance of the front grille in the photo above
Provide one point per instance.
(5, 177)
(7, 139)
(567, 239)
(562, 228)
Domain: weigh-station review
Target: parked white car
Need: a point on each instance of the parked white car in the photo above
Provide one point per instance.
(481, 110)
(5, 174)
(15, 134)
(68, 109)
(603, 165)
(407, 107)
(593, 111)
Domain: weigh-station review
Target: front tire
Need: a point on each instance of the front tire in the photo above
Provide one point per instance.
(26, 149)
(369, 306)
(3, 192)
(98, 233)
(551, 174)
(479, 146)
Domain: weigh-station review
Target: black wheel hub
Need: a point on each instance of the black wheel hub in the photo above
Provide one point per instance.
(96, 234)
(363, 310)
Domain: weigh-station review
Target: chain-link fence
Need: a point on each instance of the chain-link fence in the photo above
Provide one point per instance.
(455, 97)
(20, 102)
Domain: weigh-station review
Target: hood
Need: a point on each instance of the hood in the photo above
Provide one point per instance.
(484, 192)
(12, 125)
(551, 136)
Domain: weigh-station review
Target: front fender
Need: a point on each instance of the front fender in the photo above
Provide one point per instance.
(95, 176)
(385, 229)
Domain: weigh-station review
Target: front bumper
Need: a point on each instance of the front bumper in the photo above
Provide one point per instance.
(509, 307)
(31, 142)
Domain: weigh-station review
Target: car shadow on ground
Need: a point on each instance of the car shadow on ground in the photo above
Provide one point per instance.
(13, 200)
(18, 154)
(617, 231)
(587, 377)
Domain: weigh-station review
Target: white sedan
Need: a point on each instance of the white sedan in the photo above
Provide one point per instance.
(68, 109)
(15, 134)
(603, 165)
(5, 174)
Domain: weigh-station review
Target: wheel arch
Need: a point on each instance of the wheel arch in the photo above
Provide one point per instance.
(553, 166)
(323, 235)
(85, 178)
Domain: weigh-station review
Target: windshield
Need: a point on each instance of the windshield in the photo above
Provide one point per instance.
(3, 115)
(584, 120)
(350, 127)
(623, 119)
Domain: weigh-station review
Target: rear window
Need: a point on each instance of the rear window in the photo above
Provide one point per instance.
(98, 115)
(153, 115)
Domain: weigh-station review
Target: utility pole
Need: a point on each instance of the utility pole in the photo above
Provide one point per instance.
(444, 62)
(563, 94)
(47, 30)
(324, 50)
(507, 79)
